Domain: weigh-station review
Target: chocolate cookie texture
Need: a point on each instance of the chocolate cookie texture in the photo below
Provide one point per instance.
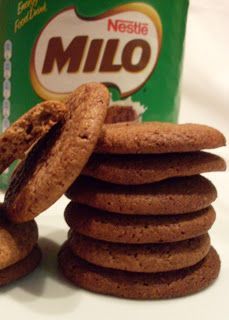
(140, 213)
(57, 159)
(21, 135)
(122, 228)
(139, 285)
(16, 240)
(172, 196)
(22, 268)
(157, 137)
(141, 169)
(140, 257)
(118, 114)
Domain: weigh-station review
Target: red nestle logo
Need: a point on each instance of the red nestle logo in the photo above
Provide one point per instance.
(127, 26)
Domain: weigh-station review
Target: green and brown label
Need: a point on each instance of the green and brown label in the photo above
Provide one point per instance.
(49, 47)
(123, 43)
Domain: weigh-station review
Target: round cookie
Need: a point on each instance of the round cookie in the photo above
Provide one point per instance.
(157, 137)
(139, 285)
(148, 168)
(16, 240)
(140, 257)
(122, 228)
(21, 268)
(22, 134)
(57, 159)
(172, 196)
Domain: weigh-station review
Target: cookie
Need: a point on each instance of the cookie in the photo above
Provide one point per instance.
(157, 137)
(139, 285)
(57, 159)
(21, 135)
(141, 169)
(140, 257)
(122, 228)
(21, 268)
(16, 240)
(172, 196)
(118, 113)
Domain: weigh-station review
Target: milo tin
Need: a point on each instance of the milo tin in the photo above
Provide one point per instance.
(48, 48)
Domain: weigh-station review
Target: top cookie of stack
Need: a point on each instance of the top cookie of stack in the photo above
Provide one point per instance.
(134, 153)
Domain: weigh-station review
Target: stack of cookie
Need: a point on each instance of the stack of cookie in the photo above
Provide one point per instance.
(141, 211)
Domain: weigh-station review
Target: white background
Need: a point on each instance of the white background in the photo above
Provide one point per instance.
(205, 99)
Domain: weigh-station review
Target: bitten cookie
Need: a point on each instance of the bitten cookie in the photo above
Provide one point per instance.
(22, 268)
(16, 240)
(57, 159)
(157, 137)
(140, 169)
(137, 229)
(21, 135)
(139, 285)
(172, 196)
(140, 257)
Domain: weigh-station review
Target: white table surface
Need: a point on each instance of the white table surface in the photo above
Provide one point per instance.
(205, 99)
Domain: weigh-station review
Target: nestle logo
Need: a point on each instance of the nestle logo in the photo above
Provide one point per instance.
(128, 26)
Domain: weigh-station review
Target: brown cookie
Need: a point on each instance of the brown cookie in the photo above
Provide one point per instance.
(57, 159)
(16, 240)
(140, 169)
(140, 257)
(21, 268)
(21, 135)
(118, 113)
(172, 196)
(157, 137)
(122, 228)
(139, 285)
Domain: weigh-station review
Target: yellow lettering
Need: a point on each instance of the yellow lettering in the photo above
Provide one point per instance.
(35, 12)
(20, 23)
(19, 8)
(30, 14)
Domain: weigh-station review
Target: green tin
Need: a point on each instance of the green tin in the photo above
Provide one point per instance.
(49, 47)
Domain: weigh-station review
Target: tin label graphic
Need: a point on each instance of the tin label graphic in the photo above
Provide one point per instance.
(8, 49)
(6, 108)
(50, 47)
(70, 50)
(6, 89)
(7, 69)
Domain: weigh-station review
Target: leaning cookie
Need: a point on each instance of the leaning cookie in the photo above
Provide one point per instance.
(21, 135)
(148, 168)
(171, 196)
(133, 285)
(157, 137)
(58, 158)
